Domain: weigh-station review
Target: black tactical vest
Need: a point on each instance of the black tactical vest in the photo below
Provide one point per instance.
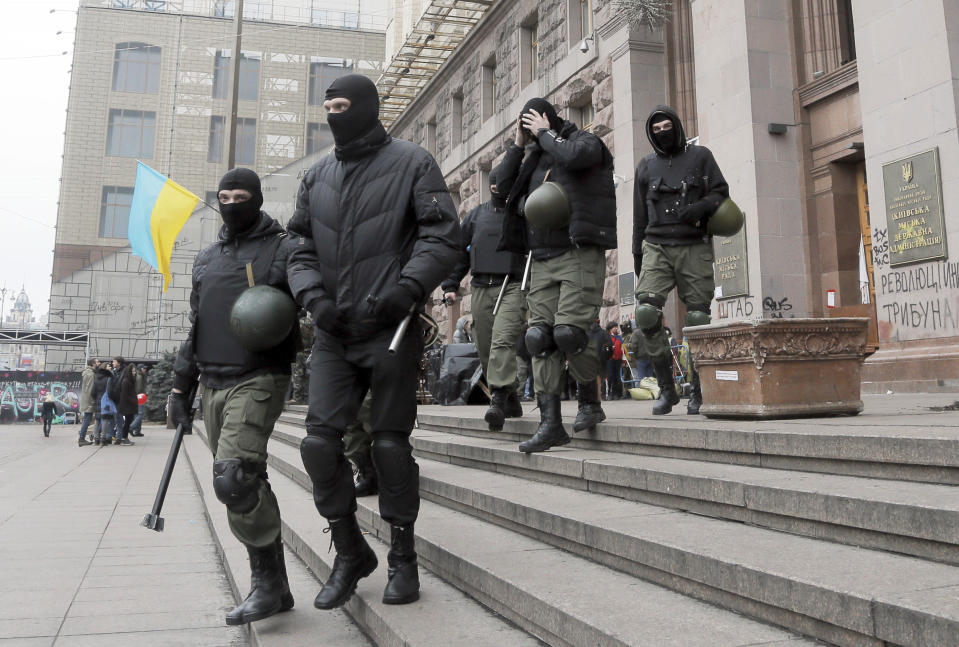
(223, 282)
(484, 259)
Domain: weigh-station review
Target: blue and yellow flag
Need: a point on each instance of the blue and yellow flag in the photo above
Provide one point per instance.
(159, 210)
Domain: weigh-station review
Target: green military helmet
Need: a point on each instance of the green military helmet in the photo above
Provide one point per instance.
(262, 317)
(548, 206)
(727, 220)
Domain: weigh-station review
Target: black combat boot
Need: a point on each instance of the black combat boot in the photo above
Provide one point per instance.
(266, 588)
(403, 584)
(364, 480)
(590, 412)
(550, 432)
(514, 408)
(286, 599)
(668, 397)
(695, 394)
(354, 559)
(496, 413)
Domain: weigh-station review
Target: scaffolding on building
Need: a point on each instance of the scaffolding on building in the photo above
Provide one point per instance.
(436, 35)
(44, 337)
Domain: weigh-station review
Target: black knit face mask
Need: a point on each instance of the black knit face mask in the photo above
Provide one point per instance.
(363, 113)
(239, 216)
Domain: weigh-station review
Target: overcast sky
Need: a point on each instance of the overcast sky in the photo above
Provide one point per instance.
(32, 116)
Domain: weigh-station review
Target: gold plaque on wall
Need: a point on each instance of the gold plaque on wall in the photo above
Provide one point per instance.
(914, 209)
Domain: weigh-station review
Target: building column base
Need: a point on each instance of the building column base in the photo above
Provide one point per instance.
(920, 366)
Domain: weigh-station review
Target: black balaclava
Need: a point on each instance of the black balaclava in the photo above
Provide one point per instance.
(544, 107)
(666, 139)
(497, 198)
(363, 113)
(240, 216)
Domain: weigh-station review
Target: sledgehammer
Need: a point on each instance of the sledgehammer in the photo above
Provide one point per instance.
(153, 520)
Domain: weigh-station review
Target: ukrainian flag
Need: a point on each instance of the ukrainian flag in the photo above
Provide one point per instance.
(159, 210)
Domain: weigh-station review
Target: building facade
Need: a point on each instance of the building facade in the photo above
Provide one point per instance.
(18, 356)
(150, 81)
(806, 105)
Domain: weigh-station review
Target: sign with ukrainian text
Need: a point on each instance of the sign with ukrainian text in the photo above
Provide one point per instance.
(914, 209)
(730, 270)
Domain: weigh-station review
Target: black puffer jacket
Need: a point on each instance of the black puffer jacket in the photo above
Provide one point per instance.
(262, 238)
(102, 376)
(580, 162)
(665, 181)
(377, 216)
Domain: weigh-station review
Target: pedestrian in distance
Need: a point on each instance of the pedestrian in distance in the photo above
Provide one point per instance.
(379, 232)
(614, 365)
(136, 427)
(498, 303)
(126, 400)
(87, 401)
(103, 425)
(48, 411)
(567, 242)
(677, 188)
(243, 390)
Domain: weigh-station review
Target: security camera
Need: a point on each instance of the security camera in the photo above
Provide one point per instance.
(584, 46)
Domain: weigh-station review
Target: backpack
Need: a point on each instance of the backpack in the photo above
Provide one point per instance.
(107, 406)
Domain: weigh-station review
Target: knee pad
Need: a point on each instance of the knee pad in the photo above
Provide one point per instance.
(539, 340)
(393, 459)
(697, 315)
(236, 484)
(322, 455)
(572, 340)
(649, 316)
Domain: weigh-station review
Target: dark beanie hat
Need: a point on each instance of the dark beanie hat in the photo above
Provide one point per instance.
(544, 107)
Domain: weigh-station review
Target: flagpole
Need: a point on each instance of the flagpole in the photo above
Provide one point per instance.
(235, 83)
(159, 312)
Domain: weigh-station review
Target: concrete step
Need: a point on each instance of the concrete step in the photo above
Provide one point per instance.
(300, 627)
(919, 447)
(444, 616)
(840, 594)
(562, 598)
(917, 519)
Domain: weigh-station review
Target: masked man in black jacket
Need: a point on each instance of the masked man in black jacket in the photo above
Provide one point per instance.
(379, 232)
(676, 190)
(568, 270)
(244, 391)
(496, 277)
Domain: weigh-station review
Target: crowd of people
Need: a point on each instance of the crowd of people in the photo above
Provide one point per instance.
(374, 233)
(112, 397)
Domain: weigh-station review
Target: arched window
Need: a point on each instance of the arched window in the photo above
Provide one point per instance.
(136, 68)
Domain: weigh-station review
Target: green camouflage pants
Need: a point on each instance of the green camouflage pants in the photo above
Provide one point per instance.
(568, 290)
(688, 268)
(239, 421)
(495, 337)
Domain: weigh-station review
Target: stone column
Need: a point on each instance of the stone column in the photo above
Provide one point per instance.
(744, 81)
(908, 59)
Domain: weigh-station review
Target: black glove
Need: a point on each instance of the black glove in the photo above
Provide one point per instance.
(180, 411)
(328, 318)
(394, 303)
(693, 213)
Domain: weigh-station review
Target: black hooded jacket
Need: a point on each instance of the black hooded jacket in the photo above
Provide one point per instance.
(267, 236)
(667, 180)
(580, 162)
(374, 215)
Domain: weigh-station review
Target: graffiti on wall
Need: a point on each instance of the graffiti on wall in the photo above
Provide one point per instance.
(734, 308)
(919, 301)
(776, 308)
(22, 393)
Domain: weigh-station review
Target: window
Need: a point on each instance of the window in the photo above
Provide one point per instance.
(136, 68)
(431, 135)
(224, 8)
(123, 4)
(328, 18)
(585, 117)
(318, 137)
(484, 186)
(130, 133)
(115, 211)
(245, 141)
(249, 75)
(154, 5)
(215, 149)
(456, 127)
(529, 51)
(323, 71)
(580, 21)
(211, 198)
(847, 37)
(489, 87)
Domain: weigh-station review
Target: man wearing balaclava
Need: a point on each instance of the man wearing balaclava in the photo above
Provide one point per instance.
(568, 266)
(496, 278)
(243, 390)
(676, 189)
(378, 233)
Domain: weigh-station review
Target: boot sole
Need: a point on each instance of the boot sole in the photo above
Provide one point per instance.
(495, 422)
(591, 426)
(403, 600)
(343, 599)
(248, 618)
(536, 451)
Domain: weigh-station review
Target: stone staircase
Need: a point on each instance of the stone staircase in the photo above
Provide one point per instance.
(670, 531)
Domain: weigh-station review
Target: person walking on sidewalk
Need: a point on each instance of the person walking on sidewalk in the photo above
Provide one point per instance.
(493, 273)
(379, 232)
(103, 425)
(125, 375)
(243, 391)
(88, 408)
(48, 411)
(136, 427)
(676, 189)
(568, 269)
